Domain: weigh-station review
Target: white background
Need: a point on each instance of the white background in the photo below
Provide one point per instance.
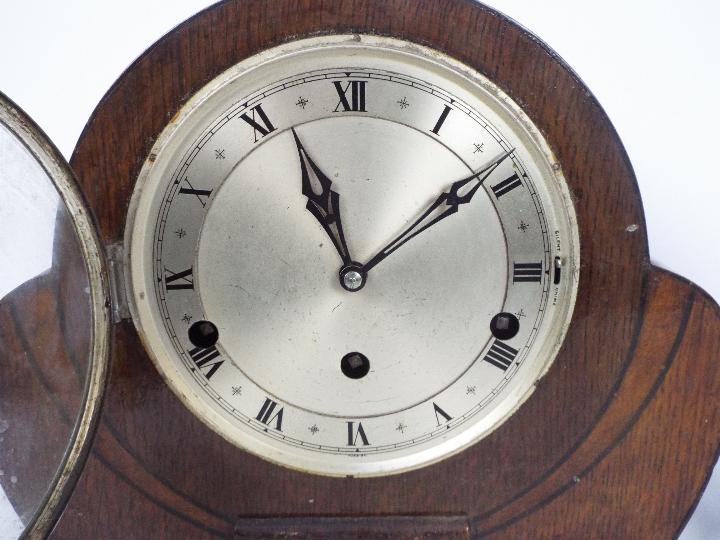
(653, 65)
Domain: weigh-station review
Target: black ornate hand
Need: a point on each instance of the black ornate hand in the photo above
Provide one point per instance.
(445, 205)
(323, 202)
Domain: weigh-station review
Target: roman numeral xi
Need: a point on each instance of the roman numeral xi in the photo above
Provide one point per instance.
(259, 121)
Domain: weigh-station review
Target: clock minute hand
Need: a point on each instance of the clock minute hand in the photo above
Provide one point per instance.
(324, 203)
(445, 205)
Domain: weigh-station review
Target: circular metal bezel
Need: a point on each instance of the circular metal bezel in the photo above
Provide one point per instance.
(138, 213)
(63, 179)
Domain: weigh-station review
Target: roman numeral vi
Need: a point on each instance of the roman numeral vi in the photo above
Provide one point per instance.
(355, 433)
(439, 412)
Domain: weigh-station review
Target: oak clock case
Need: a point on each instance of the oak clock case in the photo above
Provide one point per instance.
(218, 152)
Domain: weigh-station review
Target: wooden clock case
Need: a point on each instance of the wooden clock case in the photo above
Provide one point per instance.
(617, 441)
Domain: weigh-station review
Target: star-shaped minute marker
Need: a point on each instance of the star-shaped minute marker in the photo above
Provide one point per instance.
(237, 390)
(180, 233)
(478, 147)
(220, 153)
(313, 429)
(186, 318)
(302, 102)
(401, 427)
(471, 390)
(520, 314)
(404, 103)
(523, 226)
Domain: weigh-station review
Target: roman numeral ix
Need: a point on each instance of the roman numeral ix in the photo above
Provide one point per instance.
(199, 193)
(355, 91)
(178, 281)
(206, 360)
(500, 355)
(259, 121)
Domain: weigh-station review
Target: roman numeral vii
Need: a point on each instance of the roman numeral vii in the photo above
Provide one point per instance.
(268, 414)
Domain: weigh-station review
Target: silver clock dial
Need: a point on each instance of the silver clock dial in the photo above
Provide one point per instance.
(352, 256)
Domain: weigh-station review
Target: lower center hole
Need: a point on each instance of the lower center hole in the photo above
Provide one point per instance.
(355, 365)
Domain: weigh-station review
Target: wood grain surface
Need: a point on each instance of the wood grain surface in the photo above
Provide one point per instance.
(617, 441)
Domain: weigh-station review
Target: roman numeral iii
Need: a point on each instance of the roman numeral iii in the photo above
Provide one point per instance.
(268, 414)
(500, 355)
(259, 121)
(527, 272)
(352, 96)
(206, 360)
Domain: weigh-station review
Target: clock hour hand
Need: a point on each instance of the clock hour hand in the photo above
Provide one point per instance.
(445, 205)
(323, 202)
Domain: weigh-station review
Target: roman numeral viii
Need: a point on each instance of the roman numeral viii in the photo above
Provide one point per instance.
(259, 121)
(268, 414)
(500, 355)
(206, 360)
(355, 433)
(527, 272)
(179, 281)
(352, 96)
